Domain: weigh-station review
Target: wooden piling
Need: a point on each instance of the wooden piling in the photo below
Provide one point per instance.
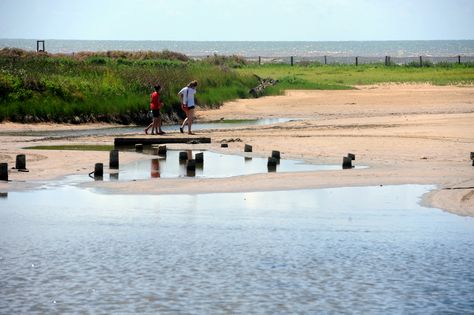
(272, 164)
(276, 154)
(346, 162)
(114, 159)
(247, 148)
(20, 162)
(4, 171)
(351, 156)
(224, 145)
(98, 170)
(472, 155)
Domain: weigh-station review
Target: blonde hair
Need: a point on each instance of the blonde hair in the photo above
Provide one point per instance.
(193, 84)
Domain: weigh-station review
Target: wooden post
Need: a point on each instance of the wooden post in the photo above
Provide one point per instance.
(276, 155)
(248, 148)
(357, 61)
(325, 60)
(4, 171)
(351, 156)
(98, 170)
(38, 49)
(224, 145)
(472, 155)
(459, 60)
(20, 162)
(114, 159)
(272, 164)
(291, 61)
(421, 61)
(259, 60)
(346, 162)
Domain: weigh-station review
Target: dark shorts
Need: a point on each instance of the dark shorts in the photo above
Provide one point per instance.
(156, 113)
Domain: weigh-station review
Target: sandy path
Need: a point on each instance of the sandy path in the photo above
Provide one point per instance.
(406, 134)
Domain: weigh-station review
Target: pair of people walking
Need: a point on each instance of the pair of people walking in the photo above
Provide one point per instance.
(187, 99)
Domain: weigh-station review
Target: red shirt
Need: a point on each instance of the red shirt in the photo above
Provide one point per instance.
(155, 101)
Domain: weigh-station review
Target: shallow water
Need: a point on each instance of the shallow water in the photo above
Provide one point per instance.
(216, 165)
(126, 130)
(345, 250)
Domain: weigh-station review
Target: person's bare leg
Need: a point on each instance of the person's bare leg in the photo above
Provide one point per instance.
(190, 120)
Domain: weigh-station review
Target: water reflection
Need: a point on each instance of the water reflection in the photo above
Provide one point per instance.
(358, 250)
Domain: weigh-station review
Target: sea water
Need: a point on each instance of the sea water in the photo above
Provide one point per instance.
(406, 48)
(344, 250)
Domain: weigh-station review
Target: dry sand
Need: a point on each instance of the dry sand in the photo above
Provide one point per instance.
(405, 134)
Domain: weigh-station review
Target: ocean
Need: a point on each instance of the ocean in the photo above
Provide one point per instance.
(265, 49)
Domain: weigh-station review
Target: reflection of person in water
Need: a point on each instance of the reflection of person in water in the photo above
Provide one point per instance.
(155, 168)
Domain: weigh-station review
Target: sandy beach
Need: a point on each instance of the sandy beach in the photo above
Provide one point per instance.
(404, 134)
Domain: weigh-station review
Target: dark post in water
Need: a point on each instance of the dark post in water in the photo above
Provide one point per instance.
(20, 162)
(4, 171)
(114, 159)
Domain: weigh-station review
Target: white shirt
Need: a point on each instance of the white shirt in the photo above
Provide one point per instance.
(188, 96)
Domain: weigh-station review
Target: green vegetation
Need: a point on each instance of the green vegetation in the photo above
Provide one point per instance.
(82, 147)
(115, 86)
(316, 76)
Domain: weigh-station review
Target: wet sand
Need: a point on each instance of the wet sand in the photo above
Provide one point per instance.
(405, 134)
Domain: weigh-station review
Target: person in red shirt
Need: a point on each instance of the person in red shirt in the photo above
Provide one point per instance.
(155, 106)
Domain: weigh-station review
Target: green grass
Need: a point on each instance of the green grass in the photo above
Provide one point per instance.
(345, 76)
(115, 86)
(82, 147)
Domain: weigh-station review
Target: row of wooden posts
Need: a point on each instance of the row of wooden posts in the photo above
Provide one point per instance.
(273, 160)
(388, 60)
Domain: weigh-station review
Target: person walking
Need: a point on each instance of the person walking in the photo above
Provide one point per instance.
(155, 106)
(188, 103)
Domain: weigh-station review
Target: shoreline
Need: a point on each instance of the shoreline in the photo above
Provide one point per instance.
(404, 133)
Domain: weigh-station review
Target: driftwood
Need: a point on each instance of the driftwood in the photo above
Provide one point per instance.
(260, 88)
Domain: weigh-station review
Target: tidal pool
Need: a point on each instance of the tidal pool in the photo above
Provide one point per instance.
(215, 165)
(344, 250)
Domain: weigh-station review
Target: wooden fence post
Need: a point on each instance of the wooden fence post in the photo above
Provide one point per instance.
(114, 159)
(357, 61)
(421, 61)
(291, 61)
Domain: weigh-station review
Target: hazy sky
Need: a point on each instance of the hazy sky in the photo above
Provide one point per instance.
(299, 20)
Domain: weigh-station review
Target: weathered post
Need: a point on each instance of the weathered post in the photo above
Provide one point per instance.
(421, 61)
(4, 171)
(20, 162)
(291, 61)
(138, 147)
(459, 60)
(259, 60)
(247, 148)
(98, 170)
(346, 162)
(114, 159)
(276, 155)
(272, 164)
(351, 156)
(472, 158)
(357, 61)
(325, 60)
(224, 145)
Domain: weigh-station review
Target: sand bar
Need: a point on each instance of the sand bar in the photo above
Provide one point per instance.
(404, 133)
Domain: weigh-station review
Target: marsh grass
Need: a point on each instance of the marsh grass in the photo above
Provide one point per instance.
(115, 86)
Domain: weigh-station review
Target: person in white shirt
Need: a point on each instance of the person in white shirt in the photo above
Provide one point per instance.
(186, 96)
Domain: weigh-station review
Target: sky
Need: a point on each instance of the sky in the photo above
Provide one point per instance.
(238, 20)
